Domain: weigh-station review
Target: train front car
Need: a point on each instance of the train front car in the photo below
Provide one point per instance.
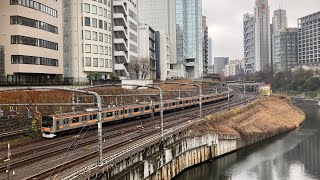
(48, 127)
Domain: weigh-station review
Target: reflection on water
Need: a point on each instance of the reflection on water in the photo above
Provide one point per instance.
(295, 155)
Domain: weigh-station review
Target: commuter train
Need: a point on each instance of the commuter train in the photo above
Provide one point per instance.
(54, 124)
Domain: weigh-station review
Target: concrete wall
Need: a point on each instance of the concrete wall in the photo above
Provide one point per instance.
(135, 82)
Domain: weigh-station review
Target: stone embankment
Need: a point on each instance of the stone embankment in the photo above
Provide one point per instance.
(217, 135)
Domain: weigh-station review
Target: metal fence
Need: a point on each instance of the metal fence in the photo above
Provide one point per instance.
(6, 81)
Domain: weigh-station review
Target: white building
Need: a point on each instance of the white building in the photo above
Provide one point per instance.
(210, 49)
(249, 42)
(161, 16)
(262, 36)
(231, 69)
(163, 55)
(125, 37)
(87, 39)
(31, 41)
(147, 47)
(309, 39)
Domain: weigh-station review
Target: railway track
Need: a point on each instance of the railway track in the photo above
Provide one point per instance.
(148, 129)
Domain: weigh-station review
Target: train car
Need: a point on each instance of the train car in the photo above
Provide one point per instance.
(54, 124)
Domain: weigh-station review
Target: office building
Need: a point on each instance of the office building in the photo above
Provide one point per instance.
(125, 39)
(249, 43)
(205, 45)
(189, 38)
(160, 15)
(220, 63)
(210, 52)
(87, 39)
(309, 39)
(285, 49)
(262, 36)
(163, 55)
(231, 69)
(279, 20)
(31, 41)
(147, 49)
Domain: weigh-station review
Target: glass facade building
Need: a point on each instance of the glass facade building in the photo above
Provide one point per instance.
(189, 37)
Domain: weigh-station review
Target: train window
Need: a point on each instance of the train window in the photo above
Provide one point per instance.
(121, 112)
(157, 106)
(47, 121)
(173, 104)
(75, 120)
(109, 114)
(94, 116)
(65, 121)
(147, 108)
(180, 102)
(187, 101)
(136, 110)
(117, 113)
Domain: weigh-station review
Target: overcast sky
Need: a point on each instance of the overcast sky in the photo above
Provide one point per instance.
(225, 18)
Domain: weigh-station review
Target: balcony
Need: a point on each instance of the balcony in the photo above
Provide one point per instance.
(120, 32)
(121, 70)
(121, 57)
(119, 20)
(120, 45)
(119, 6)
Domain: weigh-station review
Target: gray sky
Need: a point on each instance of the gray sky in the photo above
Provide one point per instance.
(225, 18)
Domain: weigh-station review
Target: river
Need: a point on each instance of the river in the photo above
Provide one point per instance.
(292, 156)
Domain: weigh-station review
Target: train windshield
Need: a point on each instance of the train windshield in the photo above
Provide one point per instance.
(47, 121)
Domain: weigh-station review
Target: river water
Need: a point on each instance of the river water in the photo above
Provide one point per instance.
(293, 156)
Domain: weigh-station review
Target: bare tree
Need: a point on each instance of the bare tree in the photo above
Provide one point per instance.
(135, 68)
(144, 67)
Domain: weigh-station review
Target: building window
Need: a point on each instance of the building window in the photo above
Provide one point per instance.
(86, 7)
(95, 49)
(87, 35)
(105, 25)
(100, 11)
(88, 62)
(101, 62)
(106, 50)
(16, 39)
(94, 36)
(95, 62)
(36, 6)
(106, 62)
(94, 22)
(34, 60)
(88, 48)
(101, 37)
(101, 51)
(100, 24)
(94, 9)
(86, 21)
(33, 23)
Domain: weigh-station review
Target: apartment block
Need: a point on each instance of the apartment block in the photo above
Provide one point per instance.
(309, 39)
(87, 39)
(147, 47)
(31, 40)
(249, 42)
(125, 39)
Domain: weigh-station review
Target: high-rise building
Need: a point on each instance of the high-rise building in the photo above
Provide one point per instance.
(205, 45)
(249, 42)
(189, 37)
(285, 49)
(160, 16)
(163, 55)
(31, 41)
(309, 39)
(147, 48)
(87, 39)
(219, 64)
(210, 52)
(125, 39)
(279, 20)
(262, 36)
